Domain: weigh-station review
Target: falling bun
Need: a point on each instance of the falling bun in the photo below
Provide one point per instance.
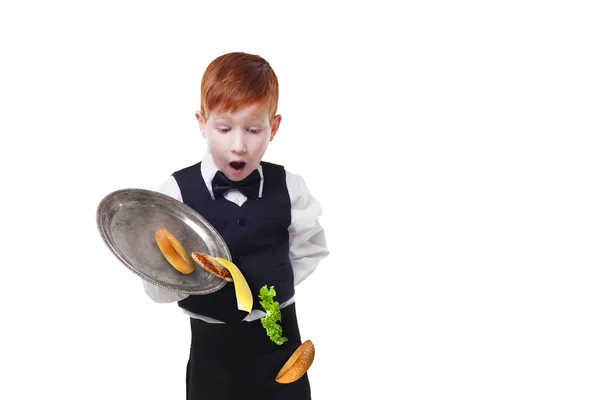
(297, 365)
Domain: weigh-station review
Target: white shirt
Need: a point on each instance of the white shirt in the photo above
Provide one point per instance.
(307, 238)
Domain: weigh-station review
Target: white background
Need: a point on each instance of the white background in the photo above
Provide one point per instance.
(453, 146)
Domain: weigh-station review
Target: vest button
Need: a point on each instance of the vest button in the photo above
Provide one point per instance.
(241, 222)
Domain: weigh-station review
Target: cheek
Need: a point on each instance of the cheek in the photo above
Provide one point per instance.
(259, 144)
(215, 143)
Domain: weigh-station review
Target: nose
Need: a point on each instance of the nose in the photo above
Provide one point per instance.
(238, 144)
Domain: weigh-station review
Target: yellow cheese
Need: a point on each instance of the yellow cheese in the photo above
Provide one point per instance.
(242, 290)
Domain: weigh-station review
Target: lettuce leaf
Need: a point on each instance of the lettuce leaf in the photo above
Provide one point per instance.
(269, 322)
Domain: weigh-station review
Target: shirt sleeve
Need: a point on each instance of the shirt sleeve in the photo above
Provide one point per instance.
(160, 295)
(308, 245)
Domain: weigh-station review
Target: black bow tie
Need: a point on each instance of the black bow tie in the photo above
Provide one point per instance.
(249, 186)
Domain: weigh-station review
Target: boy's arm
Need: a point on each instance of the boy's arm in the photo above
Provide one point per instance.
(159, 295)
(307, 237)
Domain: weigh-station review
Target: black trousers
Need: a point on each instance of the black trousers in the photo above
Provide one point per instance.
(238, 361)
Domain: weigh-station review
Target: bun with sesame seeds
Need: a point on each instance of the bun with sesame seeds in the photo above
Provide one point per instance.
(297, 365)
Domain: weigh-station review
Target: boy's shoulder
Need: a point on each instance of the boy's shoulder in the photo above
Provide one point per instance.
(289, 174)
(267, 164)
(295, 182)
(190, 167)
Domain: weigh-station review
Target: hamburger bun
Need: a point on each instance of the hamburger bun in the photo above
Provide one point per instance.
(297, 365)
(173, 251)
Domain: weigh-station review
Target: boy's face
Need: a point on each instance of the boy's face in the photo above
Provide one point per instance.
(237, 141)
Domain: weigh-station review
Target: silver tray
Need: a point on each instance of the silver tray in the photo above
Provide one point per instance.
(128, 219)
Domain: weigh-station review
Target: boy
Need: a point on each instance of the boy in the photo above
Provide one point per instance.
(269, 221)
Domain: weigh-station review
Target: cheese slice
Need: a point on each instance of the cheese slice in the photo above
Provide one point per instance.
(242, 290)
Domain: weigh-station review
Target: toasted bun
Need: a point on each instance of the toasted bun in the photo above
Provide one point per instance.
(211, 265)
(173, 251)
(297, 364)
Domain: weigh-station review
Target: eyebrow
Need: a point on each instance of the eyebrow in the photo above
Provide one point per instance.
(227, 117)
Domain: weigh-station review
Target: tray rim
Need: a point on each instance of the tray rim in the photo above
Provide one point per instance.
(189, 210)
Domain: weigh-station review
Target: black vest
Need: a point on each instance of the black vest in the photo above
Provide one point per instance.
(257, 237)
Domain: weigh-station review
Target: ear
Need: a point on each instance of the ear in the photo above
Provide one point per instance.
(275, 126)
(201, 123)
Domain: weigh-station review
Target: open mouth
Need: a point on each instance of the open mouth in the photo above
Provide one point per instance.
(237, 165)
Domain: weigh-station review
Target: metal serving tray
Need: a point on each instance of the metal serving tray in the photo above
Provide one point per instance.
(128, 219)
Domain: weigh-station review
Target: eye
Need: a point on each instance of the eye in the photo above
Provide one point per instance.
(223, 130)
(254, 130)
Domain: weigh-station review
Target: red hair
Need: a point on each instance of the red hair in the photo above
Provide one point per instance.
(237, 80)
